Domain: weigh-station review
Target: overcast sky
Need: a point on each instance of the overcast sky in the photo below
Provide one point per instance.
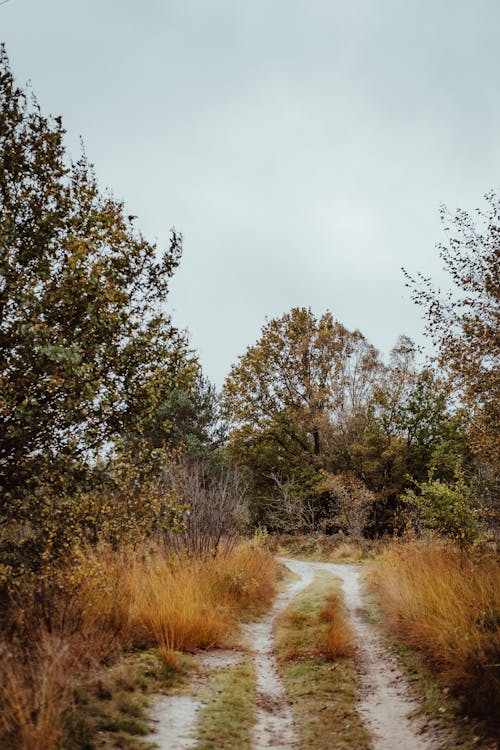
(303, 147)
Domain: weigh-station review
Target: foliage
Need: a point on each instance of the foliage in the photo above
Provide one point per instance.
(447, 508)
(436, 437)
(464, 323)
(127, 506)
(311, 399)
(297, 372)
(87, 355)
(214, 501)
(293, 394)
(288, 510)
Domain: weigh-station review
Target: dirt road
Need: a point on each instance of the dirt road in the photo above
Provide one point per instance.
(385, 698)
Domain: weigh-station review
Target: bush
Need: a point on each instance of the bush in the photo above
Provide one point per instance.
(446, 509)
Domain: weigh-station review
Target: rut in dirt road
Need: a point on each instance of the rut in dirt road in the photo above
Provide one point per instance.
(274, 729)
(385, 697)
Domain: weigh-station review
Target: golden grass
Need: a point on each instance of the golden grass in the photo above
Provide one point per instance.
(339, 639)
(324, 548)
(34, 695)
(109, 601)
(192, 603)
(446, 603)
(179, 609)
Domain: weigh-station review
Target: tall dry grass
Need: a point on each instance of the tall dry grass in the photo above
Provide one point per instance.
(191, 603)
(339, 640)
(108, 601)
(446, 603)
(34, 693)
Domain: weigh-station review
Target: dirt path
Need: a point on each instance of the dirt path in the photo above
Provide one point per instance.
(385, 702)
(175, 716)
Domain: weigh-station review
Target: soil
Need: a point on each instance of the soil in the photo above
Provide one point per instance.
(386, 703)
(174, 716)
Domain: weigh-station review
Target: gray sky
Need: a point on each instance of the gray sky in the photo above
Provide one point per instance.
(303, 147)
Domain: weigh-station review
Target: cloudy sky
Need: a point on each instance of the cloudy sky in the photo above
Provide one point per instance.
(303, 147)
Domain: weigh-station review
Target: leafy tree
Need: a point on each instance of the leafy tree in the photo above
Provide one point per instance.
(301, 384)
(447, 508)
(302, 370)
(464, 323)
(435, 433)
(311, 399)
(87, 354)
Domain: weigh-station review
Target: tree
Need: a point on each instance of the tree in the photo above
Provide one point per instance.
(351, 503)
(304, 379)
(311, 399)
(301, 370)
(464, 323)
(87, 354)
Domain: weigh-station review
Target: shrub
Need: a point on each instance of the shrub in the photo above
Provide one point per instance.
(448, 509)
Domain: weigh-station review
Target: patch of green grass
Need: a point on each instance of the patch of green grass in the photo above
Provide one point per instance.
(110, 708)
(226, 721)
(323, 692)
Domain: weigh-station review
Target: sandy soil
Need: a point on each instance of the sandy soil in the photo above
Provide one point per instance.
(385, 705)
(174, 716)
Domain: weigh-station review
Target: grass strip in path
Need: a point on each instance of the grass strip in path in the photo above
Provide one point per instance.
(314, 651)
(226, 721)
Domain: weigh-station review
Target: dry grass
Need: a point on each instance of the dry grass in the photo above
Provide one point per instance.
(109, 601)
(339, 639)
(192, 603)
(446, 603)
(324, 548)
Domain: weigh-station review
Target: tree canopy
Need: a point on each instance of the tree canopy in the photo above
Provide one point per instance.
(88, 355)
(312, 407)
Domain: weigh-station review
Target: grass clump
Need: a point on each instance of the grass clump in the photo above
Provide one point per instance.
(112, 703)
(324, 547)
(315, 646)
(445, 602)
(192, 603)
